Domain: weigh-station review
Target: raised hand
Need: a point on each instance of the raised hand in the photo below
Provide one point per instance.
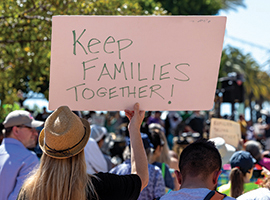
(135, 117)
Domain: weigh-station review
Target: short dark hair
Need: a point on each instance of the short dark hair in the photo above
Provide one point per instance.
(199, 158)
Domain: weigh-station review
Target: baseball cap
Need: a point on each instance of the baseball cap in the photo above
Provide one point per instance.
(98, 132)
(21, 117)
(146, 141)
(243, 160)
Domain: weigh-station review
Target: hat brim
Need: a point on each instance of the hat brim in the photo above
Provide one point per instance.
(35, 124)
(229, 152)
(73, 151)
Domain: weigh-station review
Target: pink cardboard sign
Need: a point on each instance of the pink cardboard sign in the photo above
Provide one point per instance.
(111, 62)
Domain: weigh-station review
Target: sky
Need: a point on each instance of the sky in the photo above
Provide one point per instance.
(247, 29)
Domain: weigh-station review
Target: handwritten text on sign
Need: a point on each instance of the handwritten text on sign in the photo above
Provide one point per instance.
(226, 129)
(109, 63)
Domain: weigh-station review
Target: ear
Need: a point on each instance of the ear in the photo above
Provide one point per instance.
(215, 176)
(179, 177)
(15, 130)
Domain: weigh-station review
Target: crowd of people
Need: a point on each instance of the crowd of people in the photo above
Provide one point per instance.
(68, 155)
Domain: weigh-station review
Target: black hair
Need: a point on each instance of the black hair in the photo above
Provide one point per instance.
(7, 131)
(155, 138)
(199, 158)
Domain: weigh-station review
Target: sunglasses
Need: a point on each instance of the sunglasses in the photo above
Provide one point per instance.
(30, 128)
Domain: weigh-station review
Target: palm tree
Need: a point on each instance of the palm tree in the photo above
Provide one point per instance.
(256, 82)
(232, 4)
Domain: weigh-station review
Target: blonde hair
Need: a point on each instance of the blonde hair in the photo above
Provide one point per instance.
(59, 179)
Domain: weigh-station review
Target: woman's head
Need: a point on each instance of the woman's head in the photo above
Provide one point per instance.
(146, 144)
(64, 134)
(242, 169)
(62, 171)
(254, 148)
(156, 140)
(98, 133)
(242, 160)
(164, 157)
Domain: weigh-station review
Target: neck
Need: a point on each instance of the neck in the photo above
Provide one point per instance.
(246, 179)
(12, 136)
(197, 182)
(152, 158)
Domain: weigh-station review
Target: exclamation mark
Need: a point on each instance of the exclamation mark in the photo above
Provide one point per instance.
(169, 102)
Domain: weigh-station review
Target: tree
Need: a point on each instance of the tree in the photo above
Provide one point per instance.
(25, 35)
(199, 7)
(256, 82)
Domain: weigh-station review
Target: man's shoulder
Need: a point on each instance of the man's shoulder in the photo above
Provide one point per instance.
(15, 147)
(228, 198)
(122, 169)
(154, 171)
(189, 194)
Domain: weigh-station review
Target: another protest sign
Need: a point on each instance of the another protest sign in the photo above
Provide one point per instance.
(227, 129)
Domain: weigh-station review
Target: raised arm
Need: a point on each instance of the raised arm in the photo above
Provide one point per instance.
(139, 164)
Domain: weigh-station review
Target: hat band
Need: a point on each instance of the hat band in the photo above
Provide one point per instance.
(65, 152)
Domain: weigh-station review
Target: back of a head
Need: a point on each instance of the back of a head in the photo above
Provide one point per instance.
(254, 148)
(62, 165)
(155, 138)
(200, 158)
(146, 144)
(241, 163)
(98, 132)
(164, 157)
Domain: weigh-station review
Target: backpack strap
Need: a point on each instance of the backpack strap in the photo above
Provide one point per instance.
(214, 195)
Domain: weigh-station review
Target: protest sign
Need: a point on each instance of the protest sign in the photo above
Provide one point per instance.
(111, 62)
(227, 129)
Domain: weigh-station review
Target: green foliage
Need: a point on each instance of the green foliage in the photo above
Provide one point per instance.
(7, 108)
(25, 34)
(25, 38)
(198, 7)
(256, 82)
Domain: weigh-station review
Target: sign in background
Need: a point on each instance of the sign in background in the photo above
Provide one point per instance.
(111, 62)
(229, 130)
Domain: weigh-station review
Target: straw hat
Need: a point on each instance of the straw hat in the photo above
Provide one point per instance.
(64, 134)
